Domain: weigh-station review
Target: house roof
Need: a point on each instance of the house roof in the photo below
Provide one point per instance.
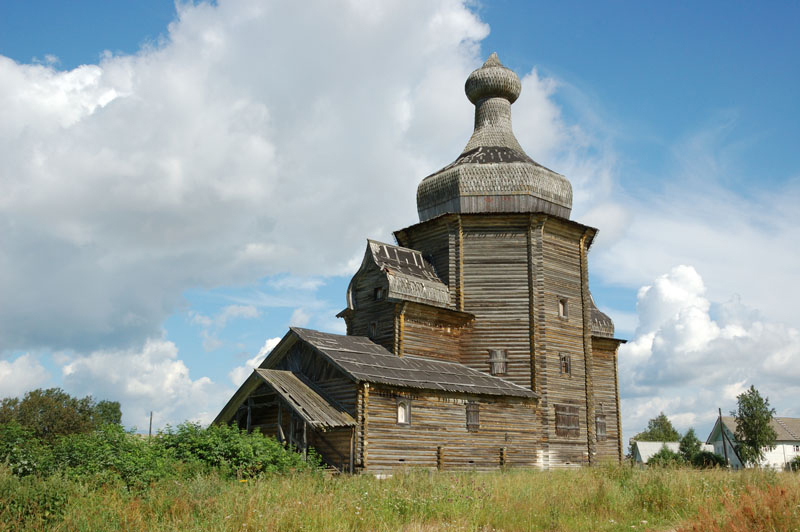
(410, 276)
(307, 401)
(786, 428)
(367, 361)
(648, 448)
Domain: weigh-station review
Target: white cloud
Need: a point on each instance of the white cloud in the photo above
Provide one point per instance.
(300, 318)
(20, 375)
(240, 147)
(240, 373)
(212, 326)
(150, 378)
(691, 356)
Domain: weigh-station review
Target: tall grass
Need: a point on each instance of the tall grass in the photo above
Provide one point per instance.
(601, 498)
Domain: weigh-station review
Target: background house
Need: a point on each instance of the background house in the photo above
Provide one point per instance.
(787, 443)
(642, 451)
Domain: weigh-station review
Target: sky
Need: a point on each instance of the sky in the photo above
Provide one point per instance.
(179, 183)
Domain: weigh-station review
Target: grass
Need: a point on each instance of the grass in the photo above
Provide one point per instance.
(599, 498)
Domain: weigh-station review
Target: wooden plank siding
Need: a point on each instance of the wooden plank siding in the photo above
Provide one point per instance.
(431, 332)
(368, 310)
(606, 392)
(439, 421)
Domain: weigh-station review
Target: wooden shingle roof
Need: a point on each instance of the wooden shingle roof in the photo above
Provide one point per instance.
(366, 361)
(309, 403)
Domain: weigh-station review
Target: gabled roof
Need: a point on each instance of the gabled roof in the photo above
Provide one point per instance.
(410, 277)
(307, 401)
(648, 448)
(786, 428)
(365, 361)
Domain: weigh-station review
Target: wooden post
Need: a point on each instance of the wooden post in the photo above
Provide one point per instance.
(722, 435)
(291, 430)
(352, 449)
(305, 440)
(249, 413)
(150, 432)
(281, 435)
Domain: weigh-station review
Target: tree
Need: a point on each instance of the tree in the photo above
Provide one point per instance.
(53, 412)
(690, 445)
(665, 458)
(659, 429)
(753, 430)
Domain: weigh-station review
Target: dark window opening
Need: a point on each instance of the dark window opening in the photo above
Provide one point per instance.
(566, 364)
(373, 329)
(567, 422)
(498, 359)
(378, 294)
(473, 416)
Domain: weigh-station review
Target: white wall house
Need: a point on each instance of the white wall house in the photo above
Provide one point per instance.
(642, 451)
(787, 444)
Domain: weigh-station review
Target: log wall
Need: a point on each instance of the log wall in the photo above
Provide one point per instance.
(437, 436)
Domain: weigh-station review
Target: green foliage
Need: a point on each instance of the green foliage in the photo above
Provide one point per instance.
(690, 445)
(33, 501)
(794, 464)
(659, 429)
(666, 458)
(24, 453)
(53, 412)
(232, 450)
(753, 430)
(707, 460)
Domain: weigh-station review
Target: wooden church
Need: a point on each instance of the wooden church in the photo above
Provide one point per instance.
(474, 343)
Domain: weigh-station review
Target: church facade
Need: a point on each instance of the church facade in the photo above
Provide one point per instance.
(472, 343)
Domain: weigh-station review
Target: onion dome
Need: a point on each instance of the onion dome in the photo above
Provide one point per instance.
(493, 174)
(601, 323)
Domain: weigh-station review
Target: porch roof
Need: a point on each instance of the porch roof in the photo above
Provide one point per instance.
(305, 401)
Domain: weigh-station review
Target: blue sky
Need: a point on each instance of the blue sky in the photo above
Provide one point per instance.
(179, 182)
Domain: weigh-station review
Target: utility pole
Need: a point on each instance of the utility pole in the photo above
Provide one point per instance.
(722, 434)
(150, 432)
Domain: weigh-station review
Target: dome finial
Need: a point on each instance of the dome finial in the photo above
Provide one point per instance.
(493, 80)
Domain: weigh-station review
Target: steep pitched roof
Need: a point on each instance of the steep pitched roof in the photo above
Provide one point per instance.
(787, 428)
(366, 361)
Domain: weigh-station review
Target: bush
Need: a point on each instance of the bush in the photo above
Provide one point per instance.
(666, 458)
(794, 464)
(231, 449)
(707, 459)
(22, 451)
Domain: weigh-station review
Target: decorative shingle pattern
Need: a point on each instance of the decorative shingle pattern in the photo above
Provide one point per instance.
(410, 276)
(493, 173)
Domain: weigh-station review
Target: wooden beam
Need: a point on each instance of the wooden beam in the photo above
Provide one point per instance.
(305, 440)
(281, 435)
(249, 413)
(591, 439)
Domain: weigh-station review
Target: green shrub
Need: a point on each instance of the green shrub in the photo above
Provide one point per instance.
(707, 459)
(666, 458)
(33, 500)
(232, 450)
(22, 451)
(794, 464)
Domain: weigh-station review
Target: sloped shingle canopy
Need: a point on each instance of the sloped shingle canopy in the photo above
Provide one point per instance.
(307, 402)
(367, 361)
(409, 275)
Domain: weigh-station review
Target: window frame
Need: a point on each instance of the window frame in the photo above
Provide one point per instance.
(567, 421)
(600, 420)
(379, 293)
(563, 307)
(565, 361)
(473, 415)
(372, 330)
(498, 359)
(406, 403)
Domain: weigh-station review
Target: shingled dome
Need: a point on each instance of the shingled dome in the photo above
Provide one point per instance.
(493, 173)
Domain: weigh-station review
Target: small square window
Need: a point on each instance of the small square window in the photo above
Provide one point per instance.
(378, 294)
(373, 329)
(797, 448)
(403, 412)
(498, 359)
(566, 364)
(563, 307)
(473, 416)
